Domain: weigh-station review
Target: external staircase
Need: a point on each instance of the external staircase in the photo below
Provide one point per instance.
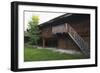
(66, 28)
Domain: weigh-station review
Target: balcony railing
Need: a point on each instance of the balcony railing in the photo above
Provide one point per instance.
(59, 29)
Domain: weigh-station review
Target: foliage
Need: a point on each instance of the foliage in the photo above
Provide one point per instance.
(33, 30)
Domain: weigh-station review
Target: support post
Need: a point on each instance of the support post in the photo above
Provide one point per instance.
(43, 42)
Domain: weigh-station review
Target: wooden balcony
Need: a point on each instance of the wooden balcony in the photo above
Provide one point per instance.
(60, 29)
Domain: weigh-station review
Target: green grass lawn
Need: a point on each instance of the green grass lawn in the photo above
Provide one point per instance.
(32, 54)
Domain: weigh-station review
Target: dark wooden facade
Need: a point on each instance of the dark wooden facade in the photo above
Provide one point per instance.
(55, 33)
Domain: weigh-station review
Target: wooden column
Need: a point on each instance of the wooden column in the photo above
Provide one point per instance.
(43, 42)
(66, 25)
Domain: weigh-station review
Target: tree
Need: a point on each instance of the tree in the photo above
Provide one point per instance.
(33, 30)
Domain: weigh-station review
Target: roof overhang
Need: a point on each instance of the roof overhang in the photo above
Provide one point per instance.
(66, 18)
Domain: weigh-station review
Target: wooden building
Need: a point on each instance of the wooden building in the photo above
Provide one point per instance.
(69, 31)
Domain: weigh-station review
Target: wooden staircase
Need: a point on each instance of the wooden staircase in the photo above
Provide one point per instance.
(84, 47)
(66, 28)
